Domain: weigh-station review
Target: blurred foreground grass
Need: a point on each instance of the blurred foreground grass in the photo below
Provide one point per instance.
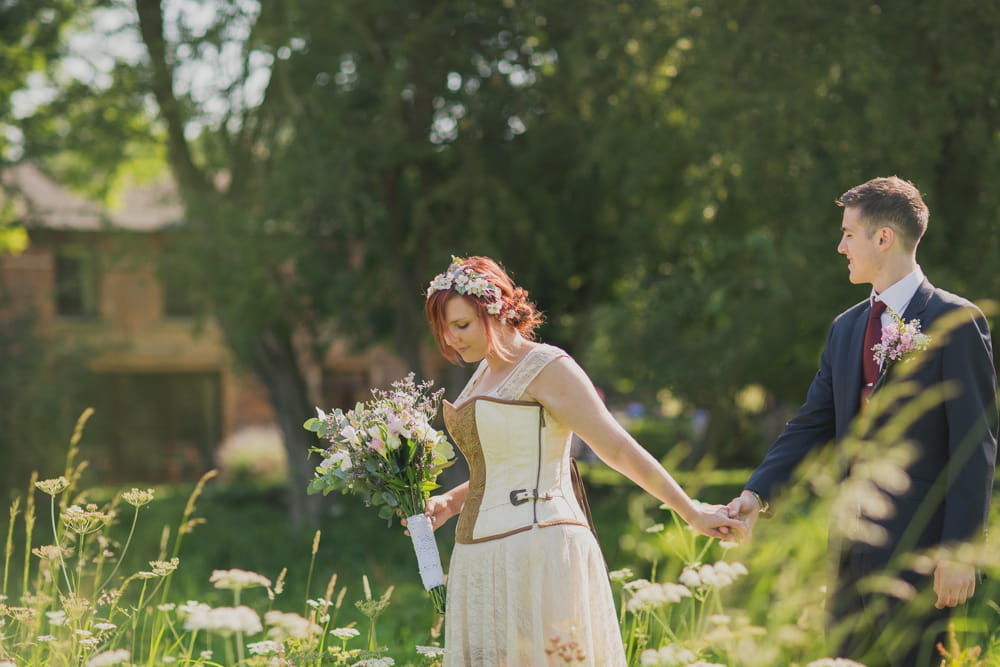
(772, 616)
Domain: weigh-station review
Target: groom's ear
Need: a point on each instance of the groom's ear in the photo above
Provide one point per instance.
(885, 237)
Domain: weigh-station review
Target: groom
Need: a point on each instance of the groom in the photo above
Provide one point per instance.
(951, 478)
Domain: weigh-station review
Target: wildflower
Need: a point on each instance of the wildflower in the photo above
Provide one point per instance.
(345, 633)
(834, 662)
(689, 578)
(376, 662)
(237, 580)
(284, 625)
(656, 595)
(636, 584)
(655, 528)
(430, 651)
(671, 655)
(84, 521)
(205, 655)
(193, 607)
(162, 568)
(225, 620)
(83, 633)
(45, 638)
(75, 605)
(109, 658)
(56, 617)
(51, 552)
(22, 614)
(108, 598)
(266, 647)
(167, 606)
(319, 604)
(104, 626)
(53, 487)
(137, 497)
(90, 642)
(622, 575)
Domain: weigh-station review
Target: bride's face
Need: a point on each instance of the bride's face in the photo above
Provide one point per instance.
(463, 330)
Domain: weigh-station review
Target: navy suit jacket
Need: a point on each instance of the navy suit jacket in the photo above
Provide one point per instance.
(956, 440)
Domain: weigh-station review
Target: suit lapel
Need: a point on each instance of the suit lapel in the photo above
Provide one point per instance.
(852, 378)
(919, 301)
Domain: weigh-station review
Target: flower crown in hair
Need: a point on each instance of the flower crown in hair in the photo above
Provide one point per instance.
(468, 282)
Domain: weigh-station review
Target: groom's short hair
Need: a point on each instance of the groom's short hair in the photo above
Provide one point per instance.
(890, 202)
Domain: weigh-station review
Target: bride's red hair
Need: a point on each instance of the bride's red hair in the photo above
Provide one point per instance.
(520, 312)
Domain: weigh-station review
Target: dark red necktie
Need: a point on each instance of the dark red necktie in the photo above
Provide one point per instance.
(873, 336)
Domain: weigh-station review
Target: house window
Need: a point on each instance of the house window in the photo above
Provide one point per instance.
(77, 280)
(178, 300)
(155, 427)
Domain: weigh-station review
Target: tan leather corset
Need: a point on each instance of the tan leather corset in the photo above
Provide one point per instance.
(519, 468)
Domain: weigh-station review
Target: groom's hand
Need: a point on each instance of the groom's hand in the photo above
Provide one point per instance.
(746, 508)
(954, 583)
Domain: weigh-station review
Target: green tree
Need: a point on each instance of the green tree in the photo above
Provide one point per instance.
(339, 154)
(789, 105)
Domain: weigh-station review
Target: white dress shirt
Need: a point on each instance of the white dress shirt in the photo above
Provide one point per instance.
(897, 297)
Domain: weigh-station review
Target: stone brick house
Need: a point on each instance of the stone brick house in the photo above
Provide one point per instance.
(166, 389)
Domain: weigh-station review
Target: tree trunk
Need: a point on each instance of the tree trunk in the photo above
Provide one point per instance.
(277, 368)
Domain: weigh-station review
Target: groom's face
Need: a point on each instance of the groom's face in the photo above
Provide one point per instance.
(860, 246)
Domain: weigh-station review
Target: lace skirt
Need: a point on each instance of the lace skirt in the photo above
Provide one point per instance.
(540, 597)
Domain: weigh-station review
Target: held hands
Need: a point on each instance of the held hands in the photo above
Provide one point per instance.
(747, 508)
(954, 583)
(715, 521)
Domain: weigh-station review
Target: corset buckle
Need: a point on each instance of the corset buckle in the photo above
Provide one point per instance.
(521, 496)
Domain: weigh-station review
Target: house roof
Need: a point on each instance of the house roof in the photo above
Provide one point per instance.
(42, 203)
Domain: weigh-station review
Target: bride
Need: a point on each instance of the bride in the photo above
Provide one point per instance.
(527, 582)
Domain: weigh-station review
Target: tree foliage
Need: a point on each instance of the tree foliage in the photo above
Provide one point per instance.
(659, 174)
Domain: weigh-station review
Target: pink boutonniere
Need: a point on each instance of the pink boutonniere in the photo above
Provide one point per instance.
(899, 339)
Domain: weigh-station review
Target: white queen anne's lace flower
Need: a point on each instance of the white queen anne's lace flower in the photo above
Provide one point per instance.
(238, 579)
(376, 662)
(107, 658)
(345, 633)
(656, 595)
(224, 620)
(266, 647)
(671, 655)
(284, 625)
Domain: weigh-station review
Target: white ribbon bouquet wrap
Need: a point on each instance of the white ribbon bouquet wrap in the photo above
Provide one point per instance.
(387, 451)
(426, 548)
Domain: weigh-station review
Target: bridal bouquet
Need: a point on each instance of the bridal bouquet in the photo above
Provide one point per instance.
(387, 452)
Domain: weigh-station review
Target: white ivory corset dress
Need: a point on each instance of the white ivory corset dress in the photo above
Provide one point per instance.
(526, 569)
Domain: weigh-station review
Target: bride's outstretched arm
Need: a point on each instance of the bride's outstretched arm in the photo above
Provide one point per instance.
(568, 394)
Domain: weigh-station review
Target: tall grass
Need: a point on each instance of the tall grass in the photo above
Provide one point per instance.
(152, 577)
